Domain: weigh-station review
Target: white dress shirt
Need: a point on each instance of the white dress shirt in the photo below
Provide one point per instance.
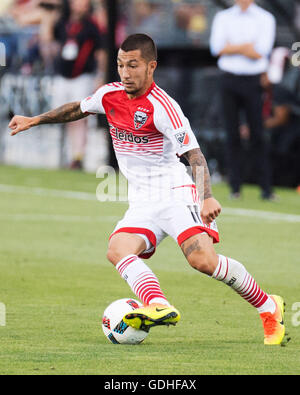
(234, 26)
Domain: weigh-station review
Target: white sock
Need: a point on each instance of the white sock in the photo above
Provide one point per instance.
(141, 280)
(234, 274)
(268, 307)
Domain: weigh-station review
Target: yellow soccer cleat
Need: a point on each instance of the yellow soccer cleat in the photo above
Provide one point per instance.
(152, 315)
(274, 323)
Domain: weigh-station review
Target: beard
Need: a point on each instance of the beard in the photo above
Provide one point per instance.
(132, 91)
(137, 88)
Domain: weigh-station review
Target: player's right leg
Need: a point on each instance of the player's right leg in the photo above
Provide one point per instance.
(123, 252)
(197, 243)
(201, 255)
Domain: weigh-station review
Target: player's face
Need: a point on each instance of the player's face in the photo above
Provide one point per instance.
(135, 72)
(80, 7)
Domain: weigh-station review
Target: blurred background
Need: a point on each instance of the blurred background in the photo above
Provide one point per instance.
(41, 58)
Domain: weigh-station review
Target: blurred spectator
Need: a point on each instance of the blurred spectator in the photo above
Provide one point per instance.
(81, 60)
(243, 37)
(277, 105)
(192, 20)
(7, 34)
(297, 16)
(275, 114)
(5, 6)
(34, 12)
(43, 14)
(148, 18)
(100, 15)
(277, 64)
(281, 117)
(282, 123)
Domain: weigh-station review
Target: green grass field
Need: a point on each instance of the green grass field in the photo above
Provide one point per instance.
(56, 282)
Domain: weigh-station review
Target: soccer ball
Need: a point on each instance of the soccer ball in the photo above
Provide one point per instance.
(115, 328)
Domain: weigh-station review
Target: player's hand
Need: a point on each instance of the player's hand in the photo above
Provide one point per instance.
(19, 124)
(211, 210)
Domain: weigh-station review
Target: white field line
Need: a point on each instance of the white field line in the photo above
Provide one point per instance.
(58, 218)
(48, 192)
(261, 215)
(85, 196)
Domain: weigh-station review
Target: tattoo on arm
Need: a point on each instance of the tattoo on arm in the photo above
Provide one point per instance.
(68, 113)
(197, 161)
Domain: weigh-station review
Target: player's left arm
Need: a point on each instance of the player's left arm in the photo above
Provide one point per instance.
(211, 207)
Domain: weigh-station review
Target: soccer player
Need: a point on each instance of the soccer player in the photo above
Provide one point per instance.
(149, 132)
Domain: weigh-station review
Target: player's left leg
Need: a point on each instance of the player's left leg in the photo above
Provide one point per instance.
(128, 244)
(124, 252)
(201, 255)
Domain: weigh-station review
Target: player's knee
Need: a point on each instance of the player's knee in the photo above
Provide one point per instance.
(202, 262)
(113, 256)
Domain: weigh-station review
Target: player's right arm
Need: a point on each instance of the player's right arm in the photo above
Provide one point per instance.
(67, 113)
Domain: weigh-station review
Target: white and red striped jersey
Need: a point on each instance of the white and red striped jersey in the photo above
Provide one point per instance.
(149, 134)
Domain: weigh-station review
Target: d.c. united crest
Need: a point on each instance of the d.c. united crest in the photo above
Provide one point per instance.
(140, 118)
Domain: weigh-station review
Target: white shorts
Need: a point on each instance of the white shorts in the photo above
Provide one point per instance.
(155, 222)
(68, 90)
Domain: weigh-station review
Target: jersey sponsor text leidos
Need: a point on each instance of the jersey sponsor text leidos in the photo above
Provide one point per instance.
(123, 135)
